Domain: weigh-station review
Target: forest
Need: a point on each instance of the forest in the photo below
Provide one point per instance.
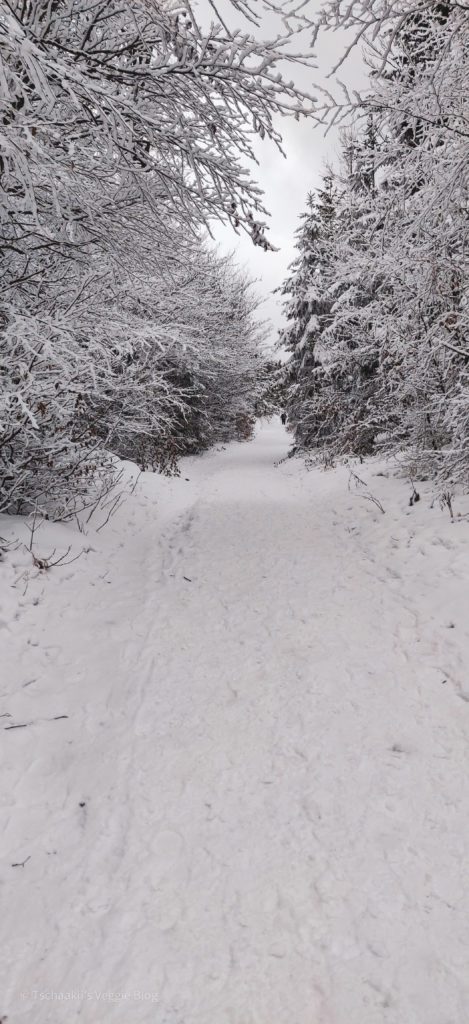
(126, 132)
(377, 301)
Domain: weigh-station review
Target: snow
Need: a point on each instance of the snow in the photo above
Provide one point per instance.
(255, 811)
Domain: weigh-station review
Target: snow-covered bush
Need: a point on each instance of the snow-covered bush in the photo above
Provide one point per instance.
(143, 367)
(191, 377)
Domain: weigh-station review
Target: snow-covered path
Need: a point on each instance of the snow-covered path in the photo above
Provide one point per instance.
(256, 811)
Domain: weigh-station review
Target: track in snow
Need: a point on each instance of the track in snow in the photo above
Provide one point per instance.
(256, 810)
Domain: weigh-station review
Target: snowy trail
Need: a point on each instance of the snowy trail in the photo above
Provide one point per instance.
(268, 729)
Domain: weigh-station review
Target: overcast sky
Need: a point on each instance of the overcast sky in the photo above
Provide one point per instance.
(286, 182)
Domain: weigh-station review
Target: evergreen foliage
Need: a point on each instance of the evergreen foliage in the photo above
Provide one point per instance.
(378, 297)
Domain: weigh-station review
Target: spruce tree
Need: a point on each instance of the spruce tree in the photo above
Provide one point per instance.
(307, 311)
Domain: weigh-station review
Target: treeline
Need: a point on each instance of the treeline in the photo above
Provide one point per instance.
(124, 131)
(377, 300)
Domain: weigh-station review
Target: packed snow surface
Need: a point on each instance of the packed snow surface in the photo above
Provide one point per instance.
(235, 754)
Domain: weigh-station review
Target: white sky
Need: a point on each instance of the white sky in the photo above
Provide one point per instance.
(286, 182)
